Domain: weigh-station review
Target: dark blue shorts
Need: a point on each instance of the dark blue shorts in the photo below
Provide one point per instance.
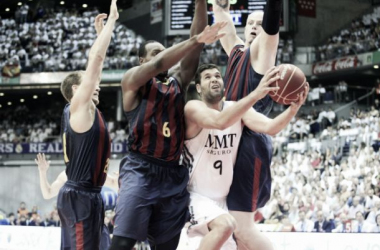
(82, 217)
(153, 200)
(251, 185)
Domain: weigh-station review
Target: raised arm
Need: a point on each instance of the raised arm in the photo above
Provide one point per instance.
(138, 76)
(260, 123)
(221, 9)
(264, 48)
(82, 100)
(190, 62)
(49, 191)
(198, 115)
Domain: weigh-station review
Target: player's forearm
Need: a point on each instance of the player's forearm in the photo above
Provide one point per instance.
(99, 49)
(45, 186)
(221, 11)
(234, 113)
(190, 62)
(169, 57)
(280, 122)
(272, 15)
(200, 18)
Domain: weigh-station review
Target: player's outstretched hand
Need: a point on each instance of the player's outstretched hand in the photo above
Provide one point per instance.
(264, 87)
(99, 23)
(211, 34)
(296, 105)
(42, 163)
(114, 13)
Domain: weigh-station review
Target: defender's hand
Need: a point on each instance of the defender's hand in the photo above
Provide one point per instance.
(43, 164)
(295, 106)
(99, 23)
(211, 34)
(264, 86)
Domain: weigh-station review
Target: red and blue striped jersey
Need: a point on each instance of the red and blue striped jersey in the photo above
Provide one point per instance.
(241, 79)
(86, 154)
(157, 125)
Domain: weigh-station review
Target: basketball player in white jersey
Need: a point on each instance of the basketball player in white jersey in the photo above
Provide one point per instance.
(213, 131)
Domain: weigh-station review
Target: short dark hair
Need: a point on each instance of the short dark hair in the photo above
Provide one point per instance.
(202, 68)
(67, 84)
(142, 49)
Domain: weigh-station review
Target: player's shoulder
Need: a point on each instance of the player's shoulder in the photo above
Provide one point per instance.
(194, 104)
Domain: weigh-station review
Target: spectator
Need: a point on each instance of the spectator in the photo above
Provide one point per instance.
(360, 225)
(303, 225)
(322, 225)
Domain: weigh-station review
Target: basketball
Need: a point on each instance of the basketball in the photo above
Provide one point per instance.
(292, 83)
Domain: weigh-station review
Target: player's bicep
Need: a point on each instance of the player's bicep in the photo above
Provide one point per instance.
(264, 52)
(198, 113)
(138, 76)
(229, 42)
(255, 121)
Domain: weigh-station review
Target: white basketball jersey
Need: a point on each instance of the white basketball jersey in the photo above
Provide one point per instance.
(210, 158)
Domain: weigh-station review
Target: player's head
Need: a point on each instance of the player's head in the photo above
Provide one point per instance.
(209, 83)
(148, 50)
(253, 26)
(70, 85)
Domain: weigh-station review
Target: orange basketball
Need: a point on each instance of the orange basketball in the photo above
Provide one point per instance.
(292, 83)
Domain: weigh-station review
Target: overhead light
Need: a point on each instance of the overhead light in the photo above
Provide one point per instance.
(376, 66)
(9, 103)
(22, 100)
(7, 9)
(1, 94)
(49, 93)
(62, 2)
(35, 96)
(84, 5)
(19, 3)
(1, 106)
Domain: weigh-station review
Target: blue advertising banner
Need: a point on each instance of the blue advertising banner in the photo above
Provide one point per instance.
(49, 148)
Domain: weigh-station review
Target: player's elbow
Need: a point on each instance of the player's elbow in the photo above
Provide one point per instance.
(158, 64)
(96, 56)
(270, 130)
(47, 196)
(220, 125)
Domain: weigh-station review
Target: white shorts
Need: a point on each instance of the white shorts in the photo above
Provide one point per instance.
(202, 211)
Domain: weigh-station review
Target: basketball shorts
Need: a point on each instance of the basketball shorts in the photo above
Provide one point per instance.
(82, 216)
(203, 210)
(251, 185)
(153, 199)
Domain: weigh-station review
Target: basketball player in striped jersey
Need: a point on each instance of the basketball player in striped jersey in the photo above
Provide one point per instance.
(153, 198)
(86, 147)
(248, 61)
(49, 191)
(213, 131)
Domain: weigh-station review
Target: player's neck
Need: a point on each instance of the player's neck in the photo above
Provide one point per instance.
(217, 106)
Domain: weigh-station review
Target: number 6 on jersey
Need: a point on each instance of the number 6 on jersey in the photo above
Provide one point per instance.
(166, 129)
